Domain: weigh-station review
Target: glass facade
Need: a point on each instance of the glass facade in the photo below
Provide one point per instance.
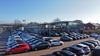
(57, 27)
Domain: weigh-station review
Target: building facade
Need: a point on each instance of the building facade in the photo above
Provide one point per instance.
(57, 27)
(91, 27)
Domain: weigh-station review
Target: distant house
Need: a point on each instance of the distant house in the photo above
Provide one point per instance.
(91, 27)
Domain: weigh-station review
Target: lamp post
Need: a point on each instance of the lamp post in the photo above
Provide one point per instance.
(24, 24)
(24, 21)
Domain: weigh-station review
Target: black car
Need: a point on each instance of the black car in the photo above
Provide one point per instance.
(74, 38)
(64, 53)
(96, 51)
(49, 55)
(54, 34)
(66, 38)
(88, 44)
(93, 42)
(40, 45)
(76, 50)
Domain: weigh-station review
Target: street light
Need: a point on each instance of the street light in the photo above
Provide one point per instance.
(24, 21)
(24, 24)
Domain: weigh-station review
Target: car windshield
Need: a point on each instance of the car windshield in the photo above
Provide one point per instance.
(19, 42)
(78, 46)
(55, 41)
(63, 54)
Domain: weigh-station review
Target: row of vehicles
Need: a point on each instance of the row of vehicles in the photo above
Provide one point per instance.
(80, 49)
(16, 45)
(24, 42)
(73, 36)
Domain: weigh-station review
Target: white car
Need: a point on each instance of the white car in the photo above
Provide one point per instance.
(94, 35)
(46, 38)
(17, 37)
(84, 47)
(56, 42)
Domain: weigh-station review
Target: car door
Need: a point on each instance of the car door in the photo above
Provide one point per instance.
(42, 46)
(56, 43)
(18, 49)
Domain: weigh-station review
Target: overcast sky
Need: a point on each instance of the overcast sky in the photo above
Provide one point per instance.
(47, 10)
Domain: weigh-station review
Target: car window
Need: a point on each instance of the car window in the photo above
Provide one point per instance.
(84, 47)
(58, 53)
(18, 46)
(19, 41)
(55, 41)
(49, 41)
(63, 54)
(78, 46)
(23, 45)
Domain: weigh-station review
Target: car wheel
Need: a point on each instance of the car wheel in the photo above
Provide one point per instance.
(35, 49)
(10, 53)
(26, 50)
(61, 44)
(48, 47)
(53, 45)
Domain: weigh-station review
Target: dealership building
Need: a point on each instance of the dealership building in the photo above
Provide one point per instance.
(57, 27)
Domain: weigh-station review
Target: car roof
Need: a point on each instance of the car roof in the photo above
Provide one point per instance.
(67, 52)
(82, 45)
(19, 41)
(97, 47)
(86, 42)
(54, 40)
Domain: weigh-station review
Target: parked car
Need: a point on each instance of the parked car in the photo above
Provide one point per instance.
(94, 35)
(40, 45)
(86, 36)
(91, 46)
(74, 38)
(55, 42)
(76, 50)
(78, 37)
(46, 38)
(20, 47)
(96, 51)
(97, 41)
(83, 47)
(54, 34)
(93, 42)
(17, 37)
(66, 38)
(64, 53)
(9, 42)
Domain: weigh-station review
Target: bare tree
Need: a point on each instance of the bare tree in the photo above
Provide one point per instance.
(78, 21)
(17, 21)
(57, 20)
(17, 24)
(33, 23)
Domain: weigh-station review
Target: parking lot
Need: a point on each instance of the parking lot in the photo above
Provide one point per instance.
(3, 41)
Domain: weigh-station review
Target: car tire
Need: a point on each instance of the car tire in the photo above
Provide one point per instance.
(10, 53)
(48, 47)
(53, 45)
(26, 50)
(61, 44)
(35, 49)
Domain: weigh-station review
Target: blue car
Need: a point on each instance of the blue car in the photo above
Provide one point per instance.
(66, 38)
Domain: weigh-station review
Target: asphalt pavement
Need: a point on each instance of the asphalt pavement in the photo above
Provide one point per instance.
(3, 40)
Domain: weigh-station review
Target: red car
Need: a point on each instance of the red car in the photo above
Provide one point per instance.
(20, 47)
